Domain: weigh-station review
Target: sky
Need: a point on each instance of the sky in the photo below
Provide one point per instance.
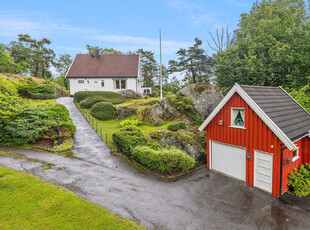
(119, 24)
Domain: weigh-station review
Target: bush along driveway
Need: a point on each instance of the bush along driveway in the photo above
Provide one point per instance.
(200, 200)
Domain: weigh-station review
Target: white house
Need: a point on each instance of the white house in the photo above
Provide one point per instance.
(106, 73)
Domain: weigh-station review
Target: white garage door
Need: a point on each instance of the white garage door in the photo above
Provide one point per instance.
(263, 163)
(228, 159)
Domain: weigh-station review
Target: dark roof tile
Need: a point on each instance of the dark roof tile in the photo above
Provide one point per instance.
(288, 115)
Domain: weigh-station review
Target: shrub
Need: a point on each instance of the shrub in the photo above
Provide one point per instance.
(103, 111)
(111, 97)
(127, 138)
(90, 101)
(176, 126)
(299, 180)
(34, 90)
(163, 160)
(129, 122)
(34, 122)
(7, 87)
(183, 104)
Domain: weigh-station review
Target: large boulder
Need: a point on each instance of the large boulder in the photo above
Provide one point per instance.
(157, 114)
(190, 140)
(125, 111)
(204, 97)
(128, 93)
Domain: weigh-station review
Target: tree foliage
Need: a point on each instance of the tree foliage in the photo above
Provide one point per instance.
(92, 50)
(193, 61)
(7, 64)
(34, 52)
(271, 47)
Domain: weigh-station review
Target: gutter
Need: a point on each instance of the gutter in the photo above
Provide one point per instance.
(281, 172)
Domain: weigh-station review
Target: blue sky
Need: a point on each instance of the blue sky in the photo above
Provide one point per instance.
(122, 25)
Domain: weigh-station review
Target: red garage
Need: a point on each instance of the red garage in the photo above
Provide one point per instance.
(259, 135)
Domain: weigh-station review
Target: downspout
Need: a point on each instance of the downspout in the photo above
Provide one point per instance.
(281, 172)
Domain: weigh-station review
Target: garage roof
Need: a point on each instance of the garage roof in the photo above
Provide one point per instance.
(280, 112)
(108, 65)
(282, 109)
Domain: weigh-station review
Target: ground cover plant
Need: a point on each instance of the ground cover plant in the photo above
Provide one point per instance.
(127, 122)
(111, 97)
(177, 126)
(29, 88)
(299, 180)
(39, 205)
(103, 111)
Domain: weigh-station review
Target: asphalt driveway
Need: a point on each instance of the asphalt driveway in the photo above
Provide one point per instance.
(200, 200)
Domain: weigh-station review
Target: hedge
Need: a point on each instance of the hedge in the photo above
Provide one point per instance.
(112, 97)
(90, 101)
(127, 138)
(163, 160)
(176, 126)
(103, 111)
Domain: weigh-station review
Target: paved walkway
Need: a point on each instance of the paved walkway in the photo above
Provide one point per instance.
(201, 200)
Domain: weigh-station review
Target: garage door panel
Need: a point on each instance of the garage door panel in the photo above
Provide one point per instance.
(228, 159)
(263, 171)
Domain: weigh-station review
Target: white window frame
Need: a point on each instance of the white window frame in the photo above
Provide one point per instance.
(81, 81)
(232, 125)
(120, 84)
(297, 155)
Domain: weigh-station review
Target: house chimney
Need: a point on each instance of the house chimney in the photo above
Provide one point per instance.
(92, 55)
(97, 54)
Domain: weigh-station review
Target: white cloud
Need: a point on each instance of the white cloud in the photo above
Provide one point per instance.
(12, 25)
(196, 13)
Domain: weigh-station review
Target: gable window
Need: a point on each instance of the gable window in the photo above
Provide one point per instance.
(295, 154)
(81, 81)
(237, 117)
(120, 84)
(102, 83)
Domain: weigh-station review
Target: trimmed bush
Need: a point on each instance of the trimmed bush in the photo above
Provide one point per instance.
(90, 101)
(299, 180)
(129, 122)
(103, 111)
(163, 160)
(176, 126)
(111, 97)
(127, 138)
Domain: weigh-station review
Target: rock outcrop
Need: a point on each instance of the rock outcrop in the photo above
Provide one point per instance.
(125, 111)
(190, 140)
(128, 93)
(204, 97)
(157, 114)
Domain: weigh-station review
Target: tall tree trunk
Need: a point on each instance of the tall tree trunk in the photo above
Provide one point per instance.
(43, 72)
(37, 71)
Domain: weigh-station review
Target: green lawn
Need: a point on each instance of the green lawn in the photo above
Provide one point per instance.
(29, 203)
(110, 126)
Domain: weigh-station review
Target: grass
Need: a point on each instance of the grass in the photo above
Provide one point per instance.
(29, 203)
(110, 126)
(33, 102)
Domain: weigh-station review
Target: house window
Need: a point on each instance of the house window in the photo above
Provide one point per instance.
(81, 81)
(102, 83)
(295, 154)
(237, 117)
(120, 84)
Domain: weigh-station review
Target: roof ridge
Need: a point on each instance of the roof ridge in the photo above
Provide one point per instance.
(261, 86)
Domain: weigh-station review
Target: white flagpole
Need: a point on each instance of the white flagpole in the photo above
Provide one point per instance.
(160, 68)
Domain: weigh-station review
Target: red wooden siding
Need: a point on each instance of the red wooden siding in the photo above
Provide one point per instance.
(305, 147)
(255, 136)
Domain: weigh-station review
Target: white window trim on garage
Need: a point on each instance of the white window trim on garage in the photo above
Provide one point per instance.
(245, 158)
